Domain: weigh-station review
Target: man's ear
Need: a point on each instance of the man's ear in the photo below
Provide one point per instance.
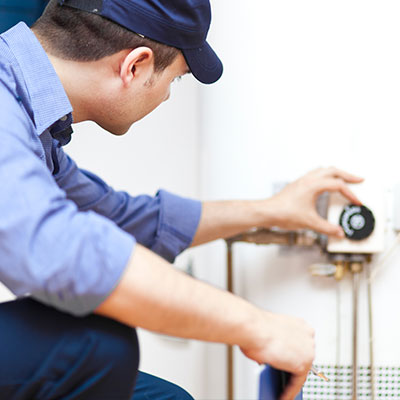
(137, 64)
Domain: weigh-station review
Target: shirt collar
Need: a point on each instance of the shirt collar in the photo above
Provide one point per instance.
(49, 102)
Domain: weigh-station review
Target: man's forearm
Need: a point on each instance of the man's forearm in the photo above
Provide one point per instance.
(155, 296)
(223, 219)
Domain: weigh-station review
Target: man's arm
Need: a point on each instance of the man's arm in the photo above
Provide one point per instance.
(292, 208)
(165, 223)
(155, 296)
(62, 257)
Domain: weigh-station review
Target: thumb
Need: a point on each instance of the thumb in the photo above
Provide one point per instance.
(321, 225)
(294, 387)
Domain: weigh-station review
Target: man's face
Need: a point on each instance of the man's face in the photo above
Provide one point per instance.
(141, 99)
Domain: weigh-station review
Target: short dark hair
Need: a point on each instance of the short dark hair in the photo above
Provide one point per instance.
(77, 35)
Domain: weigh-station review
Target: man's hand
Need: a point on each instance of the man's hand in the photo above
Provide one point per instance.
(293, 208)
(295, 205)
(289, 346)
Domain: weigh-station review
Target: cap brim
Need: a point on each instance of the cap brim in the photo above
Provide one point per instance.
(204, 64)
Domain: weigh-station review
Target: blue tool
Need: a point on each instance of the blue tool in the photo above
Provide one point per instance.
(273, 383)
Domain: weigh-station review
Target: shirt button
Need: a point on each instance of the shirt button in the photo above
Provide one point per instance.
(64, 118)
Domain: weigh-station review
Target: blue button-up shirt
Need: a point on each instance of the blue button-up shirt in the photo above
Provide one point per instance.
(66, 236)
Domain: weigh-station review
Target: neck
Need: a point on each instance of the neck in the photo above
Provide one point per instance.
(73, 77)
(74, 85)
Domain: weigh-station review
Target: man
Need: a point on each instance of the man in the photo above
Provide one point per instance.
(75, 246)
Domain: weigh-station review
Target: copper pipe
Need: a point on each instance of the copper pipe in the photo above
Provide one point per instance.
(338, 337)
(355, 332)
(229, 348)
(341, 265)
(356, 268)
(268, 236)
(371, 332)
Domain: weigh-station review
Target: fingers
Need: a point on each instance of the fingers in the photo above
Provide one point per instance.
(338, 173)
(338, 185)
(293, 388)
(346, 192)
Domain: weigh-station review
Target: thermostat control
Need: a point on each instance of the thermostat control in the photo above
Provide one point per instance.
(363, 225)
(357, 222)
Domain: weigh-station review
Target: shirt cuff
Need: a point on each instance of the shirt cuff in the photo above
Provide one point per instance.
(178, 221)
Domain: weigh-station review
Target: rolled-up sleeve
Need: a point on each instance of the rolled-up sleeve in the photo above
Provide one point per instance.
(177, 224)
(165, 223)
(50, 249)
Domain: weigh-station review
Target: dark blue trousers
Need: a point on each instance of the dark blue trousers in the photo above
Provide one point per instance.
(48, 355)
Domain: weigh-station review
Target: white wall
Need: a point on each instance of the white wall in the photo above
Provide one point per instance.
(306, 84)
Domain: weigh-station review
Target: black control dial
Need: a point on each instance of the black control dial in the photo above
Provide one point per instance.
(357, 222)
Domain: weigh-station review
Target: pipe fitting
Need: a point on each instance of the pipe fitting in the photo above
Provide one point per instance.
(340, 269)
(321, 269)
(356, 267)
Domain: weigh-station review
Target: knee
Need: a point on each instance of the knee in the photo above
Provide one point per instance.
(115, 348)
(177, 393)
(151, 387)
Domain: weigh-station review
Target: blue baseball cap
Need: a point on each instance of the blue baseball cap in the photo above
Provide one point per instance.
(183, 24)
